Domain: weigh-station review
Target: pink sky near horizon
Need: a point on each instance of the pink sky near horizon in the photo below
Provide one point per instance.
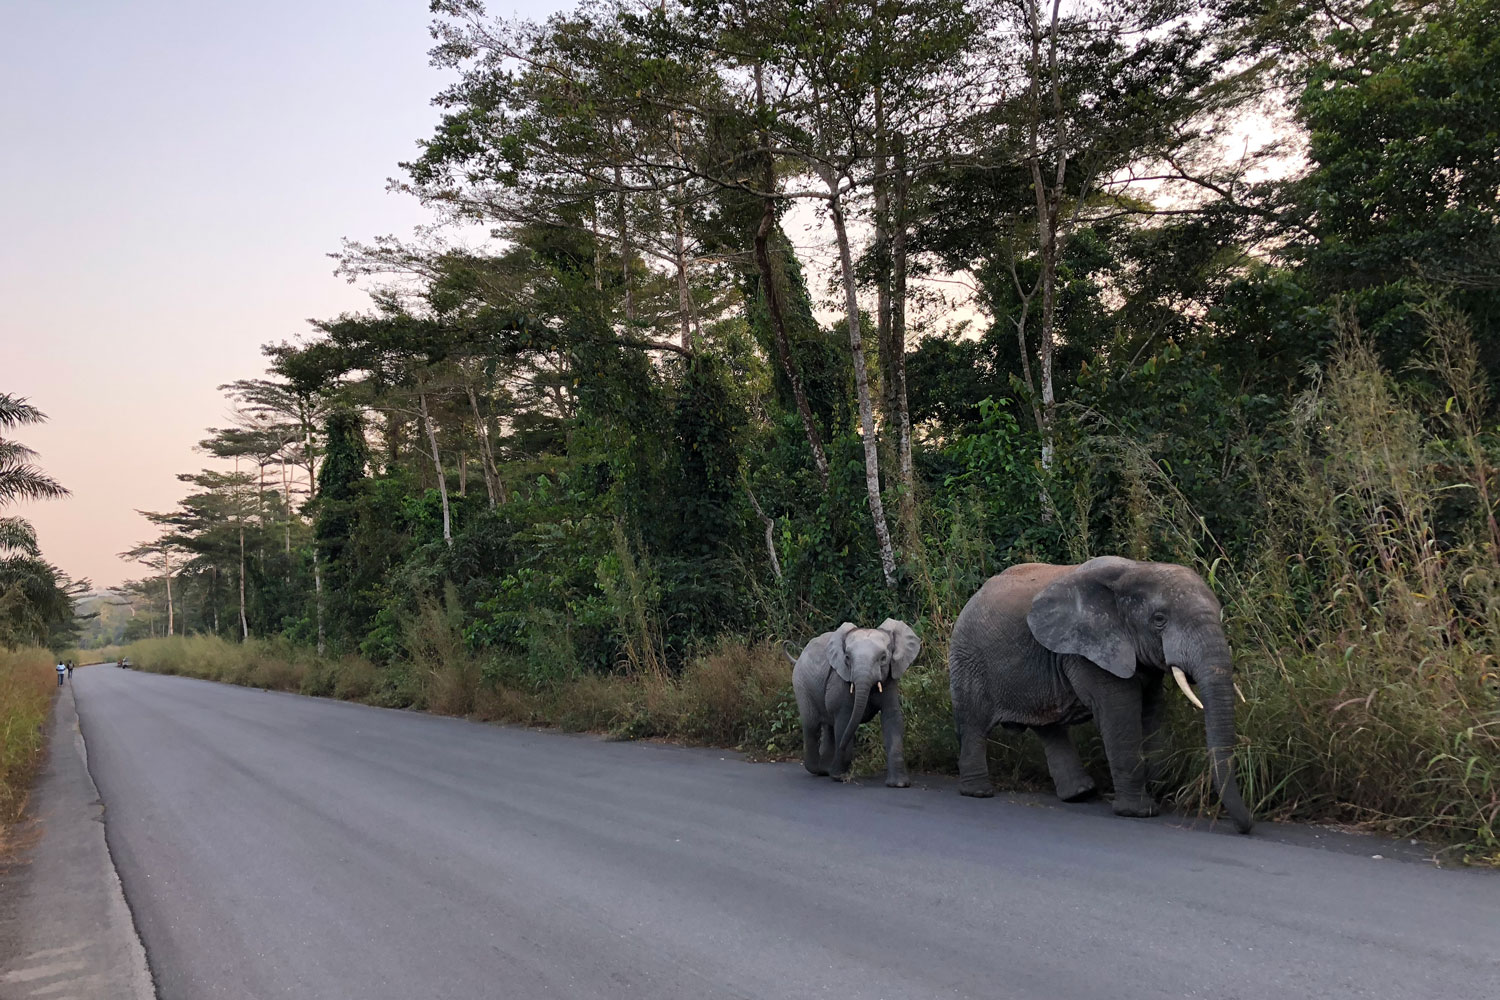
(174, 177)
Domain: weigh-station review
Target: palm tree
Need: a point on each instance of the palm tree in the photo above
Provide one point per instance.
(34, 596)
(19, 479)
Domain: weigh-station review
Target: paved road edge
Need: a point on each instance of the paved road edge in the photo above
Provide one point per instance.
(71, 925)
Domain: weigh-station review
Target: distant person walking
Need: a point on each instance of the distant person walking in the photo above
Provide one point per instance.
(70, 670)
(62, 670)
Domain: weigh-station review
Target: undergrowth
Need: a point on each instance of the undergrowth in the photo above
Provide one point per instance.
(27, 681)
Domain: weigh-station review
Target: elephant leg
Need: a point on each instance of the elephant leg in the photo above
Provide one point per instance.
(891, 730)
(1071, 781)
(1116, 706)
(973, 760)
(1153, 739)
(827, 745)
(812, 753)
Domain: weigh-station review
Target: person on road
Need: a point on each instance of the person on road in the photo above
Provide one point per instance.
(70, 670)
(62, 669)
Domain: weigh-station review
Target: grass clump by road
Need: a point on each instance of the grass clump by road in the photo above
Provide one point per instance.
(734, 695)
(27, 681)
(99, 654)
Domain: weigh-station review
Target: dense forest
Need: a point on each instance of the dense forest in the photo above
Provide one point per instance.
(739, 320)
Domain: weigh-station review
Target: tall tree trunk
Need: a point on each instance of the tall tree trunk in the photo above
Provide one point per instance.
(771, 286)
(623, 220)
(166, 561)
(770, 530)
(463, 474)
(679, 222)
(486, 451)
(213, 602)
(437, 463)
(318, 591)
(862, 387)
(684, 294)
(898, 329)
(598, 249)
(244, 623)
(881, 255)
(310, 455)
(392, 439)
(1048, 205)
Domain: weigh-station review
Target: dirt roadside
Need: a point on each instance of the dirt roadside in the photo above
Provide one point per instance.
(65, 930)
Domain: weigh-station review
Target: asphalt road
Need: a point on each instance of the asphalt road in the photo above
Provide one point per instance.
(271, 845)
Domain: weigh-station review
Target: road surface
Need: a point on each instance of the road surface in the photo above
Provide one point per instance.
(272, 845)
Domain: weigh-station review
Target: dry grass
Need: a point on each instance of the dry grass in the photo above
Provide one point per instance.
(104, 654)
(27, 681)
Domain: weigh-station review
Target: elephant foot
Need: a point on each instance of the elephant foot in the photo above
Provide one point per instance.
(898, 781)
(821, 772)
(1079, 790)
(976, 789)
(1140, 805)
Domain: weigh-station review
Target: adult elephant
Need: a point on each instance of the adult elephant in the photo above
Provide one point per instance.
(1044, 647)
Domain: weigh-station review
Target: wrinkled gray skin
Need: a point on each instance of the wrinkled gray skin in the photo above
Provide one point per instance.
(871, 662)
(1044, 647)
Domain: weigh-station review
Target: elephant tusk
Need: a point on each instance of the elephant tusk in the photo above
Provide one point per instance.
(851, 688)
(879, 687)
(1241, 694)
(1181, 679)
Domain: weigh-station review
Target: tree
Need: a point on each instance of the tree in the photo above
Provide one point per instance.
(35, 597)
(344, 465)
(1400, 198)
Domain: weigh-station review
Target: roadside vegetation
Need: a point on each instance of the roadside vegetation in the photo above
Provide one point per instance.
(36, 610)
(799, 313)
(27, 681)
(101, 654)
(36, 598)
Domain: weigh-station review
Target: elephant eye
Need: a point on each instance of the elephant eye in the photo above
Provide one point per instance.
(1159, 619)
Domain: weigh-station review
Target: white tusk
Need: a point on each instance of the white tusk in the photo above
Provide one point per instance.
(851, 688)
(880, 687)
(1241, 694)
(1181, 679)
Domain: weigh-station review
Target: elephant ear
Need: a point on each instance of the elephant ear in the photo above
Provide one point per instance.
(904, 645)
(837, 658)
(1078, 614)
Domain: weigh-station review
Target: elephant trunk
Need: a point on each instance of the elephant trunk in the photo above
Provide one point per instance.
(861, 698)
(1218, 721)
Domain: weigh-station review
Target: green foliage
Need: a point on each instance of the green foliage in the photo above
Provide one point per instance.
(1406, 163)
(36, 598)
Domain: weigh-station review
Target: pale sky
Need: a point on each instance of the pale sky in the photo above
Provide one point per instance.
(172, 176)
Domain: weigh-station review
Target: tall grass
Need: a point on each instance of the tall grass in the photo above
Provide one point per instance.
(1365, 620)
(101, 654)
(27, 680)
(264, 663)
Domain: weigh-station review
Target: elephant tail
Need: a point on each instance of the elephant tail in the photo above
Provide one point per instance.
(786, 647)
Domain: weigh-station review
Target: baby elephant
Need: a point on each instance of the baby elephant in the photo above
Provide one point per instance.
(842, 679)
